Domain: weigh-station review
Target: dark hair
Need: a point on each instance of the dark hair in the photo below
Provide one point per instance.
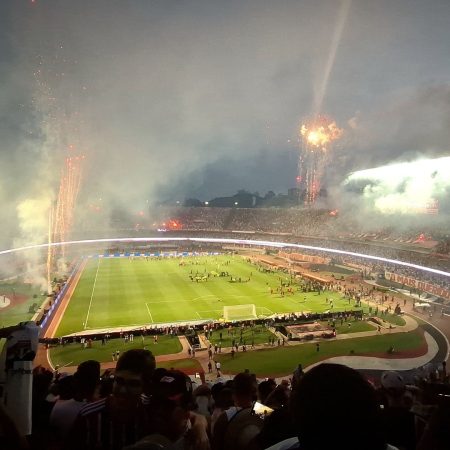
(244, 384)
(342, 399)
(265, 388)
(66, 387)
(89, 369)
(224, 399)
(138, 361)
(87, 378)
(216, 389)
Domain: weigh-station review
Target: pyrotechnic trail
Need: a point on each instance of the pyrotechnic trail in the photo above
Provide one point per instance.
(317, 136)
(68, 192)
(61, 214)
(337, 35)
(61, 125)
(318, 133)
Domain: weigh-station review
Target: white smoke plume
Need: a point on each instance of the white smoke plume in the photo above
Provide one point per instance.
(403, 188)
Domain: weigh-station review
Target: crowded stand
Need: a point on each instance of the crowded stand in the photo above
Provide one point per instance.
(296, 221)
(141, 406)
(193, 218)
(306, 223)
(417, 244)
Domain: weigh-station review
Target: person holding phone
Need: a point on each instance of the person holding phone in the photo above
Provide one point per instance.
(238, 426)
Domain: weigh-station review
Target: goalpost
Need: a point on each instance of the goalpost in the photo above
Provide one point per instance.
(239, 312)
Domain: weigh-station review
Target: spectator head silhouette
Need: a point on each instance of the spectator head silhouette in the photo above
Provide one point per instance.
(335, 407)
(244, 389)
(134, 371)
(170, 403)
(87, 379)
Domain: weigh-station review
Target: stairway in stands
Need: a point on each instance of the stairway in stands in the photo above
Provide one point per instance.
(229, 219)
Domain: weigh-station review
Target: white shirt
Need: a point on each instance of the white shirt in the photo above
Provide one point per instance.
(63, 415)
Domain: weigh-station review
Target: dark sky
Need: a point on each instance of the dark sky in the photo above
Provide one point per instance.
(178, 98)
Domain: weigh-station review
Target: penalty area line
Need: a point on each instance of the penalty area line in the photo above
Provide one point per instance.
(92, 294)
(263, 308)
(149, 313)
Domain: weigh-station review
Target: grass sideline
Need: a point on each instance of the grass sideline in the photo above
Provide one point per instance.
(122, 292)
(19, 311)
(356, 326)
(73, 354)
(266, 363)
(394, 319)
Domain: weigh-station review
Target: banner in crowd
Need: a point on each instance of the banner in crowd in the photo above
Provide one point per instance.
(360, 267)
(302, 257)
(417, 284)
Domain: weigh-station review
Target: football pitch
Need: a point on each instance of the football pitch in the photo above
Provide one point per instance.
(135, 292)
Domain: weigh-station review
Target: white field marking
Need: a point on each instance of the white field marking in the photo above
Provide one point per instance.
(263, 308)
(214, 297)
(204, 296)
(193, 319)
(92, 294)
(210, 310)
(199, 316)
(149, 313)
(228, 296)
(167, 301)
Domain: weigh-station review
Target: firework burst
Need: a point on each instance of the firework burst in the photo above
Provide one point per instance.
(317, 137)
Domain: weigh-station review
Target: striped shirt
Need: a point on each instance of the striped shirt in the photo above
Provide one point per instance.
(102, 426)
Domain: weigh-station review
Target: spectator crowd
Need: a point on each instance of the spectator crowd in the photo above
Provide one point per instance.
(139, 406)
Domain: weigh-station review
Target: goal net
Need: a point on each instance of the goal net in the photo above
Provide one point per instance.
(239, 312)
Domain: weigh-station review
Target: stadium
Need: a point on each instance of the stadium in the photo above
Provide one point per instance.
(219, 284)
(267, 299)
(225, 225)
(186, 282)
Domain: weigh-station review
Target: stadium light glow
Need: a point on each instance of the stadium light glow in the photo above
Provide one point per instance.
(231, 241)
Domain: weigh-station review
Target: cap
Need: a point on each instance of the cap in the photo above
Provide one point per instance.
(392, 380)
(174, 385)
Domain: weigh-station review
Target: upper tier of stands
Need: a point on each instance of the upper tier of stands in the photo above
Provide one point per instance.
(303, 222)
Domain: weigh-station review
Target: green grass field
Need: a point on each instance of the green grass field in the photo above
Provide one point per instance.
(122, 292)
(356, 326)
(22, 296)
(279, 361)
(394, 319)
(73, 354)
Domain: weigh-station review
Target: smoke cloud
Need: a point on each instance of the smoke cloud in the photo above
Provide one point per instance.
(406, 188)
(168, 99)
